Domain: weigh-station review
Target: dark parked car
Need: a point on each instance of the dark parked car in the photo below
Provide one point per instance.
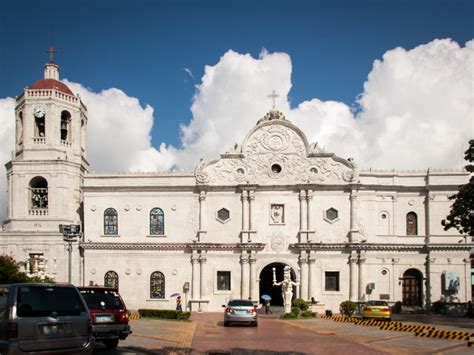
(108, 313)
(44, 318)
(240, 311)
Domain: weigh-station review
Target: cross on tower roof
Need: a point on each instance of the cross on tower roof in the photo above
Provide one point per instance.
(51, 52)
(273, 95)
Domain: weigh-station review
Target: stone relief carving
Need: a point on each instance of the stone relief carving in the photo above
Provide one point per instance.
(277, 242)
(276, 153)
(277, 214)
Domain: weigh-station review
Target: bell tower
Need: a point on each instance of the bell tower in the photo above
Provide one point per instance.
(45, 174)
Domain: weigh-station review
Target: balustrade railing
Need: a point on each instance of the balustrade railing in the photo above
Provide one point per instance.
(38, 212)
(65, 143)
(39, 140)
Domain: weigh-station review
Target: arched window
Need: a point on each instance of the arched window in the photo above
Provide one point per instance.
(65, 122)
(157, 221)
(110, 222)
(40, 131)
(412, 223)
(157, 285)
(38, 193)
(111, 279)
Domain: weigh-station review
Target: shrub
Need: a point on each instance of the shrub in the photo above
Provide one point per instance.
(347, 308)
(290, 315)
(307, 314)
(300, 303)
(295, 310)
(437, 307)
(164, 314)
(397, 307)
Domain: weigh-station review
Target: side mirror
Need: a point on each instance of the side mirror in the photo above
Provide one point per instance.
(224, 305)
(255, 306)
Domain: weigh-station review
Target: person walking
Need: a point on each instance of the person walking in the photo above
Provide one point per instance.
(267, 307)
(178, 304)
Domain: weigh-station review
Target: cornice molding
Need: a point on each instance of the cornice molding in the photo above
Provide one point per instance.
(172, 246)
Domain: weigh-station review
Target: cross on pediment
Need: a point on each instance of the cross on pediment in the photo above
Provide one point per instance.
(273, 96)
(51, 52)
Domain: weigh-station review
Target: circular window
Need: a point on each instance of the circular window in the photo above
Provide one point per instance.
(314, 170)
(276, 168)
(383, 216)
(240, 171)
(384, 272)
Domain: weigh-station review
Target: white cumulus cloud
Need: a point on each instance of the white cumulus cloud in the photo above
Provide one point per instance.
(415, 111)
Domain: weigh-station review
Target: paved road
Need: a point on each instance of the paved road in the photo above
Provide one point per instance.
(272, 336)
(206, 334)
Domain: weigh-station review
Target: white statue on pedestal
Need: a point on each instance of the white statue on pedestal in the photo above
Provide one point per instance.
(286, 287)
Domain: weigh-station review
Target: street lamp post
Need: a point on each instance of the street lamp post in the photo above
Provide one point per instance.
(70, 233)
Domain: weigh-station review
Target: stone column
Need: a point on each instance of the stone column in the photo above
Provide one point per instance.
(352, 278)
(353, 227)
(203, 283)
(303, 214)
(202, 206)
(245, 209)
(362, 282)
(195, 287)
(244, 278)
(253, 277)
(309, 201)
(312, 275)
(303, 261)
(428, 199)
(251, 198)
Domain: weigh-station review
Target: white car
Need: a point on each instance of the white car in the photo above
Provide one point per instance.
(240, 311)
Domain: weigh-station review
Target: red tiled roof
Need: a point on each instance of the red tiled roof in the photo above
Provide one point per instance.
(51, 84)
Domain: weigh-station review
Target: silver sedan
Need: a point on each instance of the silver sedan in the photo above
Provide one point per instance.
(240, 311)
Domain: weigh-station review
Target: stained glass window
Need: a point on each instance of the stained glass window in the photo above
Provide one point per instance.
(110, 222)
(412, 223)
(157, 285)
(157, 221)
(111, 279)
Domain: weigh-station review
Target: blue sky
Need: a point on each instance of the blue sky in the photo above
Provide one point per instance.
(143, 47)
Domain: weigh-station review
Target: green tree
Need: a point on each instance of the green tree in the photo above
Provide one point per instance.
(461, 215)
(10, 272)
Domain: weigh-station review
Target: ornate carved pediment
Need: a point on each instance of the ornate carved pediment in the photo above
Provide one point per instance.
(276, 152)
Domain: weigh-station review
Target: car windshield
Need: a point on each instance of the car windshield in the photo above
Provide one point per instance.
(102, 299)
(377, 303)
(240, 303)
(40, 301)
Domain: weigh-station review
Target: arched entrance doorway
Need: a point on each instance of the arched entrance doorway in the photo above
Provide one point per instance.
(412, 287)
(266, 282)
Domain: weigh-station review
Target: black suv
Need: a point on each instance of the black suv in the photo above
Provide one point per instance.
(108, 313)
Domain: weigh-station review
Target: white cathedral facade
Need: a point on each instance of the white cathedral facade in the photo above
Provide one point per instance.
(218, 232)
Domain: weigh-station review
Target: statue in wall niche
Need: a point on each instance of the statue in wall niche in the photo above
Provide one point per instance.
(276, 214)
(286, 287)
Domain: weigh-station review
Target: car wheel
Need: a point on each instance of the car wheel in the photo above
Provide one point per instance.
(226, 324)
(255, 324)
(111, 343)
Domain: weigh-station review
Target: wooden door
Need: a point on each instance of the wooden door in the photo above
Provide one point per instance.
(411, 291)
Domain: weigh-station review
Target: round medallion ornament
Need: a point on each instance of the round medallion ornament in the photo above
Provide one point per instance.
(93, 271)
(127, 208)
(93, 208)
(276, 139)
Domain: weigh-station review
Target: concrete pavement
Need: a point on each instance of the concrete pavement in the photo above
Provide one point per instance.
(205, 334)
